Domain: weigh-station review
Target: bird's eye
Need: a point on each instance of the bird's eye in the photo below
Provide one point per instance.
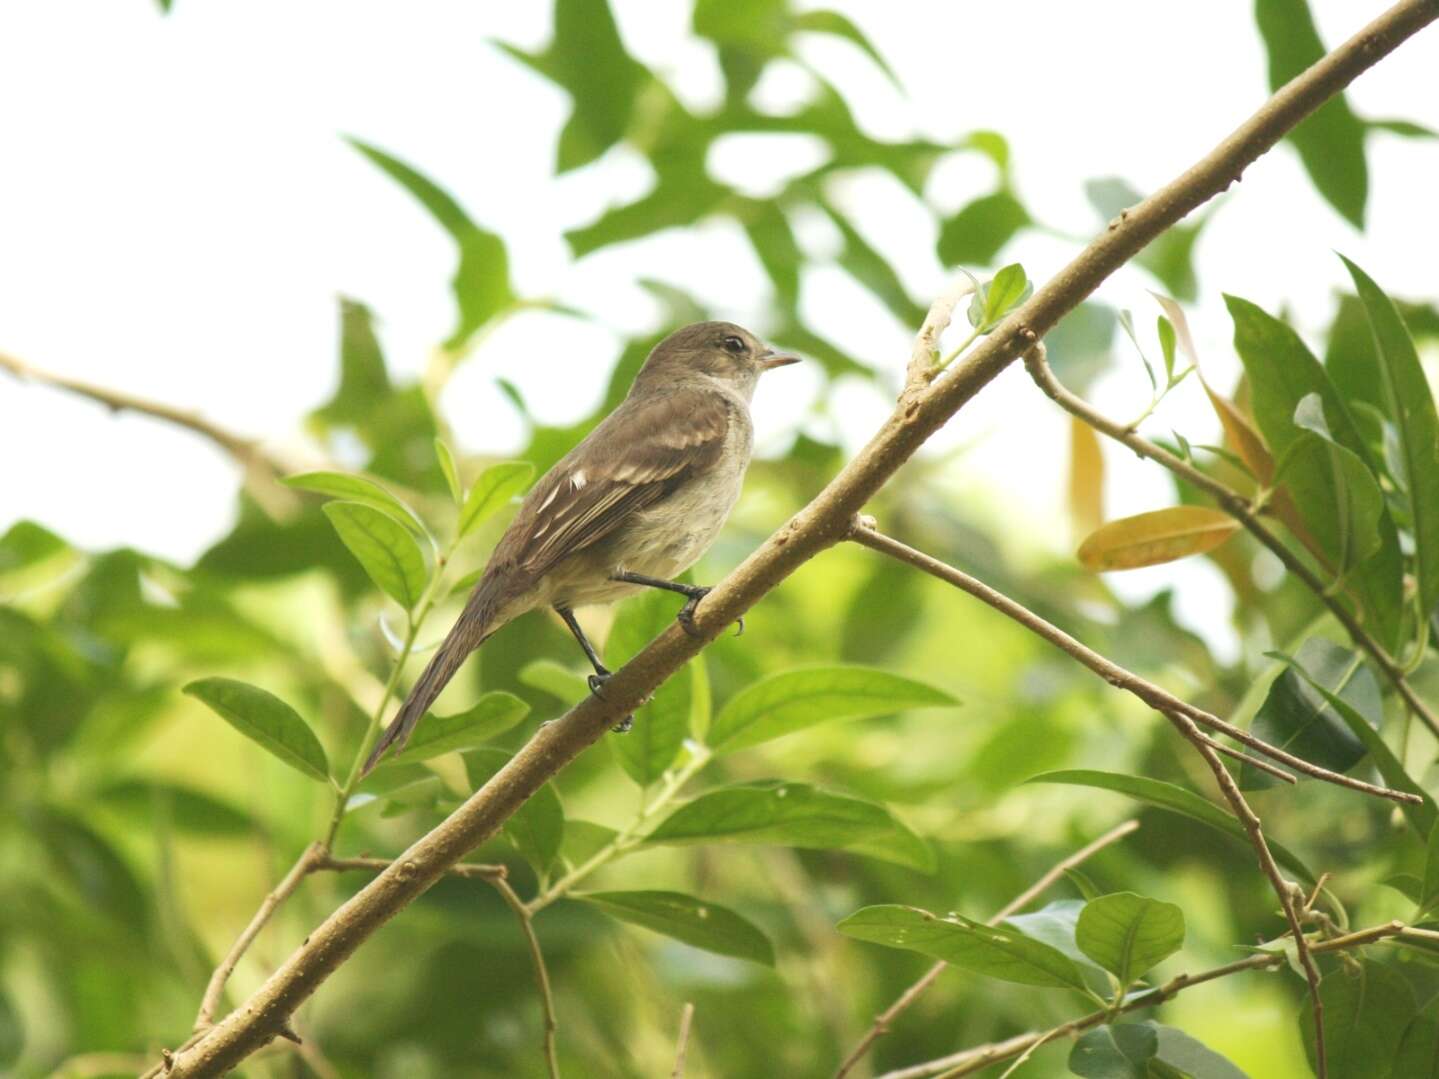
(733, 344)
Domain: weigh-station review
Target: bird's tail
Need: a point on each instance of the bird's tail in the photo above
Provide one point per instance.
(476, 623)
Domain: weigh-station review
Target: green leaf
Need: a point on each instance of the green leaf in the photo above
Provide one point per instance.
(795, 700)
(978, 232)
(481, 282)
(364, 381)
(384, 548)
(1167, 342)
(555, 679)
(1418, 1055)
(537, 828)
(493, 714)
(92, 868)
(1120, 1051)
(1282, 372)
(1170, 258)
(1330, 140)
(776, 812)
(997, 952)
(492, 491)
(1129, 934)
(1429, 895)
(142, 801)
(662, 725)
(1296, 715)
(683, 917)
(264, 718)
(1163, 795)
(1411, 406)
(452, 473)
(584, 839)
(832, 22)
(1365, 1016)
(1358, 502)
(867, 266)
(773, 241)
(1055, 924)
(994, 299)
(25, 543)
(351, 488)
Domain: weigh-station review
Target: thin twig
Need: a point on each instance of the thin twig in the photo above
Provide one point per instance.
(542, 975)
(886, 1018)
(977, 1058)
(864, 533)
(464, 870)
(288, 883)
(1242, 511)
(261, 468)
(1283, 889)
(682, 1043)
(818, 526)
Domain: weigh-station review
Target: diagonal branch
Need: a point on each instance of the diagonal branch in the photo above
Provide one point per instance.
(1160, 700)
(1243, 511)
(821, 524)
(886, 1018)
(977, 1058)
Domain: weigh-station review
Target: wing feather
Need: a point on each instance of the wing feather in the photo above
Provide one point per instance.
(644, 449)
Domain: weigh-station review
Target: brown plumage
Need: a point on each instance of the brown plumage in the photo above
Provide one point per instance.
(643, 495)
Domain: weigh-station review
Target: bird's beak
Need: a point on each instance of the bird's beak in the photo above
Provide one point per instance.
(772, 359)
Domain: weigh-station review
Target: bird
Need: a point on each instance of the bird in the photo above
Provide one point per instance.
(636, 503)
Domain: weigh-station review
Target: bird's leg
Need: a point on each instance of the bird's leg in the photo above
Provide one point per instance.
(693, 593)
(602, 673)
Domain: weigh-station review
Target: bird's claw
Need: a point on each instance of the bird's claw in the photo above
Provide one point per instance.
(686, 617)
(596, 683)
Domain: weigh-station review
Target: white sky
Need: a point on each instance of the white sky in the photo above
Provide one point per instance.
(178, 213)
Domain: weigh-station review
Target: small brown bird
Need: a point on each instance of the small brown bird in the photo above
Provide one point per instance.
(633, 506)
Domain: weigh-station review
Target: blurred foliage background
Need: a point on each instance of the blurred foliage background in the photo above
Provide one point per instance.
(139, 832)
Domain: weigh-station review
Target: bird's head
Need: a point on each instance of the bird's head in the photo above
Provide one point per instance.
(717, 350)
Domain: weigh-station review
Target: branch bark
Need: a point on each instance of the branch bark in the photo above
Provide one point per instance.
(921, 412)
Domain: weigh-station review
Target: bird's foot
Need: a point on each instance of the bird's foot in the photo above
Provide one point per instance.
(596, 683)
(686, 617)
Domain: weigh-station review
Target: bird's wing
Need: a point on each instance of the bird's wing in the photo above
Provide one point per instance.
(641, 452)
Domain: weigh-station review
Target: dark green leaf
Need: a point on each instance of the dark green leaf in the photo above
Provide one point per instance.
(773, 240)
(1422, 817)
(697, 923)
(1411, 406)
(385, 549)
(1282, 372)
(93, 869)
(189, 810)
(492, 491)
(1406, 128)
(978, 232)
(794, 700)
(1330, 140)
(1128, 934)
(537, 828)
(1429, 896)
(997, 952)
(1418, 1056)
(1190, 1057)
(1121, 1051)
(1365, 1016)
(481, 283)
(1297, 717)
(493, 714)
(775, 812)
(264, 718)
(662, 725)
(359, 489)
(1175, 799)
(12, 1033)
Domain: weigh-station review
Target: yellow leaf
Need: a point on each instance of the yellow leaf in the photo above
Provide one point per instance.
(1160, 536)
(1242, 435)
(1086, 477)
